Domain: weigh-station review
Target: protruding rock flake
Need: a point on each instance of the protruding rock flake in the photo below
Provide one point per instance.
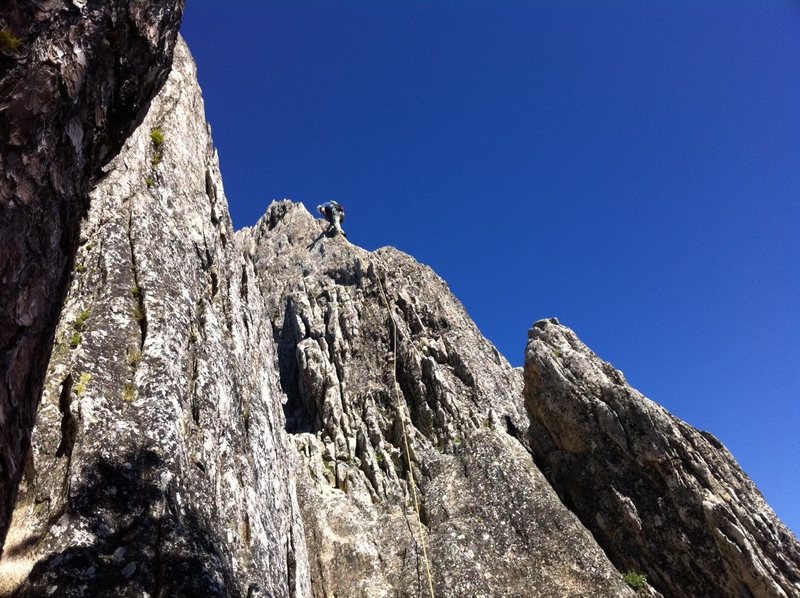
(278, 412)
(659, 496)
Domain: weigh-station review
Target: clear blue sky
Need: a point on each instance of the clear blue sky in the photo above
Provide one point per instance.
(632, 168)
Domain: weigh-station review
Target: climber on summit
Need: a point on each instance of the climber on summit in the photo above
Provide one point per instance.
(334, 214)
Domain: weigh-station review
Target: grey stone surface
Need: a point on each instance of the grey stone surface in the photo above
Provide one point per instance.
(261, 413)
(71, 91)
(660, 496)
(159, 463)
(492, 524)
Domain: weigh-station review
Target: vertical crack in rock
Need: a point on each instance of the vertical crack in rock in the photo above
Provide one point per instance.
(195, 342)
(139, 309)
(69, 430)
(193, 382)
(61, 120)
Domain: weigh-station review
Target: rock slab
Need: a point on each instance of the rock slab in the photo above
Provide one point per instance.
(75, 79)
(659, 496)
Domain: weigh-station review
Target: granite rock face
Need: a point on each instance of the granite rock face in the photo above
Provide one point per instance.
(75, 76)
(159, 463)
(659, 495)
(346, 321)
(278, 412)
(220, 415)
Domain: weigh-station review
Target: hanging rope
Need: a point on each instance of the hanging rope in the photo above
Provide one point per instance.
(396, 392)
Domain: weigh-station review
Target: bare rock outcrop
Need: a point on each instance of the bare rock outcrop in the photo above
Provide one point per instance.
(159, 463)
(659, 496)
(277, 412)
(75, 77)
(215, 403)
(374, 352)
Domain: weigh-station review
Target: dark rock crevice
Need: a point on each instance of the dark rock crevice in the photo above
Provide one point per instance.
(68, 424)
(299, 409)
(139, 309)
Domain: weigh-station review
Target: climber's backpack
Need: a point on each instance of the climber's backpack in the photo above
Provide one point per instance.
(339, 208)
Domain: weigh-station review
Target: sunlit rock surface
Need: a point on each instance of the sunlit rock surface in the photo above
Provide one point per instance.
(659, 495)
(159, 464)
(75, 78)
(278, 412)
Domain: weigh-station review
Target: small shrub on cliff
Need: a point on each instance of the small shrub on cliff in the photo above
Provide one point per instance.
(75, 340)
(137, 312)
(9, 41)
(157, 137)
(128, 392)
(80, 321)
(83, 382)
(80, 268)
(134, 357)
(635, 580)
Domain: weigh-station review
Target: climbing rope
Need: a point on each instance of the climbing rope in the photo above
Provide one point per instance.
(396, 389)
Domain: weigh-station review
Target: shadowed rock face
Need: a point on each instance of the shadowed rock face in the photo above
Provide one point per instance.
(658, 495)
(71, 90)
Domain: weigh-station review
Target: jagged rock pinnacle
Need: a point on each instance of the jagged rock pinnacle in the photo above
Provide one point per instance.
(278, 412)
(483, 501)
(659, 495)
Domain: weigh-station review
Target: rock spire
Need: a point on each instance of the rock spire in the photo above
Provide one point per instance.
(278, 412)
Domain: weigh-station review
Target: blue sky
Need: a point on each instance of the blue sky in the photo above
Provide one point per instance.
(632, 168)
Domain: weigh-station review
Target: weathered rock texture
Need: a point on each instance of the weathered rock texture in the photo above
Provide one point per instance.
(264, 414)
(160, 466)
(74, 77)
(659, 495)
(483, 502)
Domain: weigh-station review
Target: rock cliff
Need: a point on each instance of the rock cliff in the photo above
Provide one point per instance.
(75, 78)
(278, 412)
(659, 495)
(159, 463)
